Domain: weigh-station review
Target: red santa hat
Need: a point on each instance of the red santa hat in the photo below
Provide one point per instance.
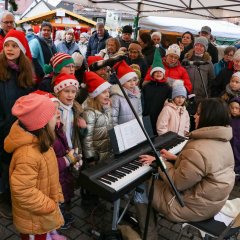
(19, 38)
(47, 94)
(64, 80)
(93, 59)
(124, 72)
(96, 85)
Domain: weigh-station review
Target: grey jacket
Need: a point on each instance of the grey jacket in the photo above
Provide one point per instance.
(207, 72)
(121, 111)
(96, 145)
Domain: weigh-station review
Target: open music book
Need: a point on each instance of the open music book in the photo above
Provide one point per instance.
(129, 134)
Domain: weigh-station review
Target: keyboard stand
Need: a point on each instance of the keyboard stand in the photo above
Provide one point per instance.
(116, 219)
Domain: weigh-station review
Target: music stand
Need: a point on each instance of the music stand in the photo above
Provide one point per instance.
(159, 162)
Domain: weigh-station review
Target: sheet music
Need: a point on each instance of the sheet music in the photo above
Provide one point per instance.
(129, 134)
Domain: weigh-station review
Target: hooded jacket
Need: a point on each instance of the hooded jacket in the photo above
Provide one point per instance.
(203, 174)
(34, 182)
(173, 118)
(121, 111)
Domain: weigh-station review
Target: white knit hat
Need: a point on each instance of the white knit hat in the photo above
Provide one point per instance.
(173, 49)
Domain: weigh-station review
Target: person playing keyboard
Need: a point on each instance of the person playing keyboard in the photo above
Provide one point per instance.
(203, 172)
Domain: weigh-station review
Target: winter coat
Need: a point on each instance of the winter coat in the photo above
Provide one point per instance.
(95, 45)
(173, 118)
(203, 174)
(148, 53)
(221, 80)
(41, 54)
(83, 48)
(60, 147)
(2, 36)
(121, 111)
(213, 52)
(9, 93)
(185, 50)
(177, 72)
(67, 48)
(219, 66)
(235, 142)
(154, 95)
(96, 145)
(207, 72)
(229, 94)
(34, 182)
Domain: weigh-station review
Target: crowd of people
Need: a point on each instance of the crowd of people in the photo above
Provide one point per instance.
(59, 99)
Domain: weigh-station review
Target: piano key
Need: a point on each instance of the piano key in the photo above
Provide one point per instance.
(104, 181)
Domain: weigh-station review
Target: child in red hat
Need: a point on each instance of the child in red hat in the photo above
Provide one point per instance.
(34, 181)
(16, 80)
(66, 89)
(121, 112)
(97, 113)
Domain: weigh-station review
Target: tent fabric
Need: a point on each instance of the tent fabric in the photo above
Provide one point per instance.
(212, 9)
(219, 28)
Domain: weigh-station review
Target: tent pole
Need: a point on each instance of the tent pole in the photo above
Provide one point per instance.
(136, 21)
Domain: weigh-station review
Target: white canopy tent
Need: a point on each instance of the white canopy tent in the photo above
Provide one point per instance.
(219, 28)
(210, 9)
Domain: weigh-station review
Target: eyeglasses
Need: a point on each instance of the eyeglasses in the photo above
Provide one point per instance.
(8, 22)
(70, 66)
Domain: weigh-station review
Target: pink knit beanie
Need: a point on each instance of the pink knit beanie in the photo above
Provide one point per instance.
(34, 111)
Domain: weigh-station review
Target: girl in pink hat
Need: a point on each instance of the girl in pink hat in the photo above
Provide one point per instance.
(34, 181)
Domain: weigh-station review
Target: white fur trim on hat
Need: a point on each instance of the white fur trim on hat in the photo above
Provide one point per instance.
(99, 89)
(127, 77)
(66, 83)
(17, 42)
(157, 69)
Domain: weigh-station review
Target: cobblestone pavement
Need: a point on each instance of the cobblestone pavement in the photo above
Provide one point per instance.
(98, 218)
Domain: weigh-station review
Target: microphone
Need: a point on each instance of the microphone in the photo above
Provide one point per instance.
(108, 62)
(196, 63)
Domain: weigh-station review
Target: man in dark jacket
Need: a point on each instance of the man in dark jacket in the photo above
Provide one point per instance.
(212, 50)
(97, 41)
(126, 37)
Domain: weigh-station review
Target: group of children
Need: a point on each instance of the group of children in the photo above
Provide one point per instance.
(79, 133)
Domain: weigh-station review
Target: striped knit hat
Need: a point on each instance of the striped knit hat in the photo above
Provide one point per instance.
(57, 62)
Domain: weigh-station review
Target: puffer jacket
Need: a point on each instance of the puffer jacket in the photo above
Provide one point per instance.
(121, 112)
(96, 145)
(173, 118)
(207, 72)
(203, 174)
(177, 72)
(34, 182)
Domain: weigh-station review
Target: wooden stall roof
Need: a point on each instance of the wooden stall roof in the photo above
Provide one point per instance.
(53, 13)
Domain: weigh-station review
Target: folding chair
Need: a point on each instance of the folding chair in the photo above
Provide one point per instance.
(215, 229)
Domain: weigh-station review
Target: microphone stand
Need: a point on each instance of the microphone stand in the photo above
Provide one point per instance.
(203, 83)
(159, 162)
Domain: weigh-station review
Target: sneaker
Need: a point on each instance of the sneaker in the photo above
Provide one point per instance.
(56, 236)
(68, 218)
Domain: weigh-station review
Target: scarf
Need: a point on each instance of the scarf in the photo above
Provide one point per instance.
(67, 118)
(48, 41)
(13, 65)
(232, 93)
